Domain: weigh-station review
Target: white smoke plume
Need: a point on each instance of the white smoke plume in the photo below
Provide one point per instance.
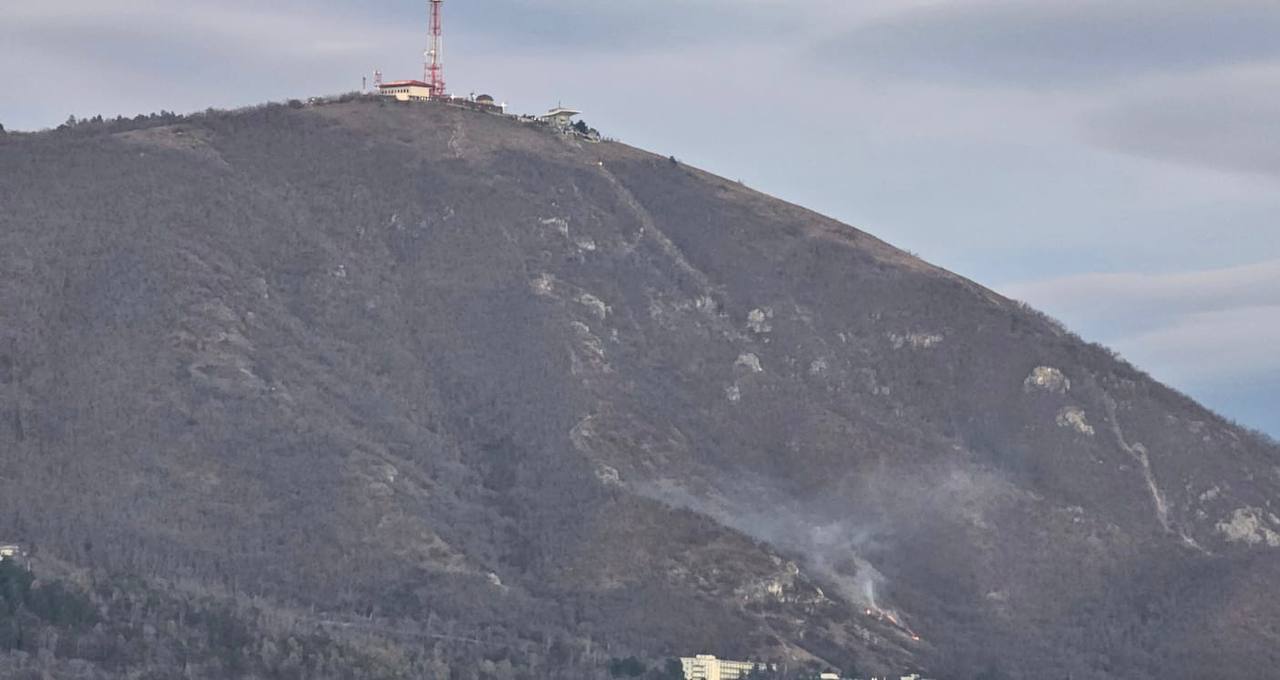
(837, 539)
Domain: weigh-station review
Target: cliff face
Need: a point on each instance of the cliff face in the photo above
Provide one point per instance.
(442, 368)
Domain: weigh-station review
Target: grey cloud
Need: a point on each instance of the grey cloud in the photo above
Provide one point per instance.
(240, 30)
(139, 56)
(1055, 43)
(187, 35)
(1196, 329)
(593, 26)
(1220, 121)
(1230, 344)
(1113, 298)
(1212, 333)
(1226, 359)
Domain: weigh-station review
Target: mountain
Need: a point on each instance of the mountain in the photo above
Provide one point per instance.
(360, 389)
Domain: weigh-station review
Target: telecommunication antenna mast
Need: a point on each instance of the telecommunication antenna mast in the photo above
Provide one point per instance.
(434, 62)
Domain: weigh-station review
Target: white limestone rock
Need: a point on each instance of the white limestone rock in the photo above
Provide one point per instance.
(758, 321)
(1248, 525)
(750, 362)
(1074, 417)
(1047, 379)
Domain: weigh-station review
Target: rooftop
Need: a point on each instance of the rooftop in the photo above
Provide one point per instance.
(561, 111)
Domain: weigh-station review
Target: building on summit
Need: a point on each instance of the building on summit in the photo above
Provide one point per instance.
(432, 84)
(405, 90)
(486, 102)
(559, 117)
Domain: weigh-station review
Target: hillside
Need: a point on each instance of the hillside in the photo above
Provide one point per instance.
(443, 389)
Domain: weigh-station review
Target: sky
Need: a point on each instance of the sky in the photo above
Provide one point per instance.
(1115, 163)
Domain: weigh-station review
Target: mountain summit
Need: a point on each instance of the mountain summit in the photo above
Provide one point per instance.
(451, 391)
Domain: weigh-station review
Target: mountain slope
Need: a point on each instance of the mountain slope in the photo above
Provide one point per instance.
(438, 370)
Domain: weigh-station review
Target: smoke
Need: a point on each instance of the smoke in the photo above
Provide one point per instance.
(833, 550)
(838, 538)
(866, 580)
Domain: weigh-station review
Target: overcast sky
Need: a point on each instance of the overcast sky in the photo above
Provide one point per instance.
(1114, 162)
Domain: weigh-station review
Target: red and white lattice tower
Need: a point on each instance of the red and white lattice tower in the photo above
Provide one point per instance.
(433, 67)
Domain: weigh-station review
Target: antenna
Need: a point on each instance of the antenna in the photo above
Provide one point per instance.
(433, 68)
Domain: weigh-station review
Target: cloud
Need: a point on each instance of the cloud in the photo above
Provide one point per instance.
(1198, 329)
(590, 26)
(144, 55)
(1109, 296)
(1214, 347)
(133, 31)
(137, 56)
(1223, 120)
(1057, 43)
